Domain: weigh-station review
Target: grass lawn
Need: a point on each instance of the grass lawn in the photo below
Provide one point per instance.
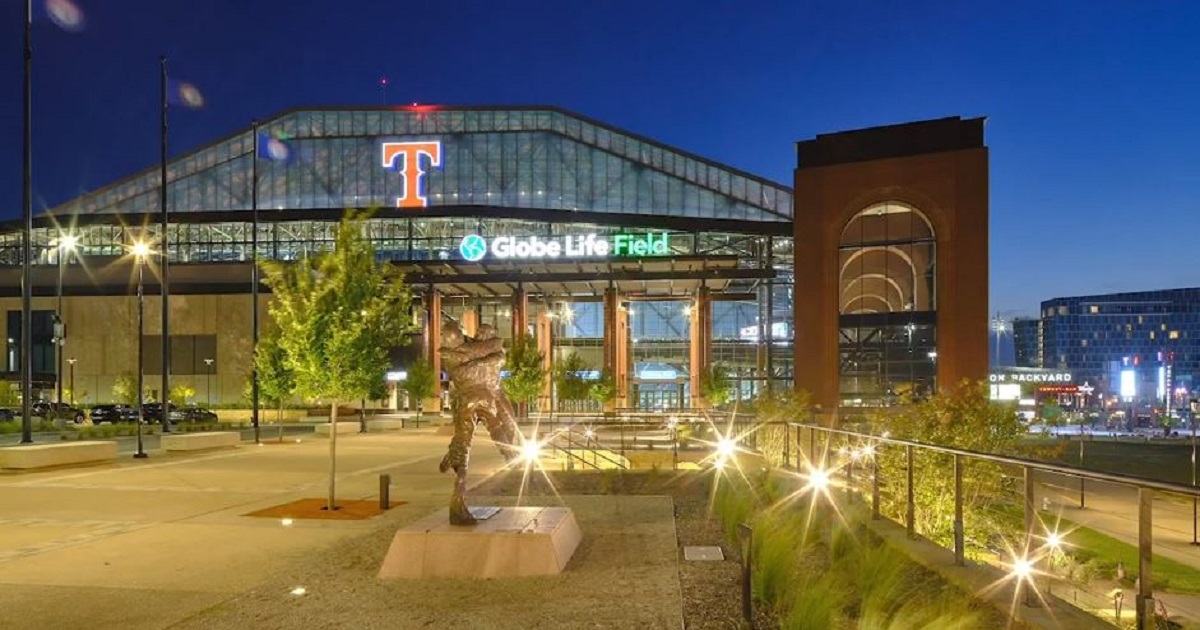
(1165, 461)
(1086, 544)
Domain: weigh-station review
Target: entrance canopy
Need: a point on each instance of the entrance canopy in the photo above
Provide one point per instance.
(647, 278)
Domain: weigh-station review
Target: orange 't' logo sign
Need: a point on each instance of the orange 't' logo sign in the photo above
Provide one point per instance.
(412, 193)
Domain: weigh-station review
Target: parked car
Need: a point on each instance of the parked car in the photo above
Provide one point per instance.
(152, 412)
(191, 413)
(113, 414)
(58, 411)
(8, 414)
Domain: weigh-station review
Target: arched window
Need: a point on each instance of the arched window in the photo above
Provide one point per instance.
(887, 261)
(887, 301)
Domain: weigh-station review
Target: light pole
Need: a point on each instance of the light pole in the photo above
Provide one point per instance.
(208, 386)
(66, 245)
(140, 252)
(72, 362)
(1195, 408)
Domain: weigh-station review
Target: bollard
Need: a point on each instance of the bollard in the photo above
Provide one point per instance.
(746, 535)
(385, 491)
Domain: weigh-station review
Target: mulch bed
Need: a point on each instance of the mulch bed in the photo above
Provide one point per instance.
(347, 510)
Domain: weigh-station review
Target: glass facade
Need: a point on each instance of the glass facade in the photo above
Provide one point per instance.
(523, 173)
(519, 158)
(1027, 341)
(1096, 336)
(888, 300)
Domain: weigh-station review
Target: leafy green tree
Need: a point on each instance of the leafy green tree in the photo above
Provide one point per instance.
(10, 394)
(419, 383)
(180, 394)
(961, 418)
(715, 386)
(525, 370)
(276, 382)
(772, 411)
(1052, 414)
(569, 384)
(604, 389)
(125, 390)
(338, 312)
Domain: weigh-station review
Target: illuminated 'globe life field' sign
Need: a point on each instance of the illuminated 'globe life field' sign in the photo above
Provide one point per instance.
(475, 247)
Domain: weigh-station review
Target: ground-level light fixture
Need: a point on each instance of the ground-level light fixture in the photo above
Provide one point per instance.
(1022, 568)
(818, 479)
(531, 451)
(726, 447)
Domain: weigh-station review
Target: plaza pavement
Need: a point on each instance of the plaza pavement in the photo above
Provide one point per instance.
(149, 543)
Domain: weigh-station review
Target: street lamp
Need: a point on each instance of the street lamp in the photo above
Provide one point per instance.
(72, 362)
(208, 387)
(1195, 408)
(141, 251)
(66, 245)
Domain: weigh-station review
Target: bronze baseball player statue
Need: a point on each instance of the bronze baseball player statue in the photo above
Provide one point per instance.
(474, 364)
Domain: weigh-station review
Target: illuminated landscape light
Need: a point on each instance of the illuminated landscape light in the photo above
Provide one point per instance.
(530, 451)
(726, 447)
(140, 249)
(1022, 568)
(818, 479)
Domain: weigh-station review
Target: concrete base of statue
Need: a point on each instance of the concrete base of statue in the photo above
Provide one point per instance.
(514, 542)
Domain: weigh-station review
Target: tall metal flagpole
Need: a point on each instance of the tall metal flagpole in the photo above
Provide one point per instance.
(164, 259)
(27, 241)
(254, 276)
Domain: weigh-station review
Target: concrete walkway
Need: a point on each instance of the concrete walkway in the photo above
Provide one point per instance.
(1112, 510)
(149, 543)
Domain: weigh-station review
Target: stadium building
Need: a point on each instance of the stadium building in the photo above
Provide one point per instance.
(644, 259)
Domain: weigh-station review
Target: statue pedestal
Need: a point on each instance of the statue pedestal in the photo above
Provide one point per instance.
(516, 542)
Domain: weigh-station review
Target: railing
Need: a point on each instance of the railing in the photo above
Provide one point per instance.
(589, 444)
(1145, 606)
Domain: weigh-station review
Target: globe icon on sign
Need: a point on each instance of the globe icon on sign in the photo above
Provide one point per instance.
(473, 248)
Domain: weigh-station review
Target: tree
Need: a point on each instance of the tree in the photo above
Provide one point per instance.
(569, 383)
(1052, 414)
(772, 411)
(275, 378)
(715, 387)
(338, 312)
(181, 393)
(124, 390)
(604, 389)
(525, 371)
(419, 383)
(961, 418)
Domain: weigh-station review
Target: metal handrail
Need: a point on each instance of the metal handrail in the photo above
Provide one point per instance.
(1145, 603)
(572, 443)
(1127, 480)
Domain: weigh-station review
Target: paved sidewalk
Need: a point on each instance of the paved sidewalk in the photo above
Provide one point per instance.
(149, 543)
(1112, 509)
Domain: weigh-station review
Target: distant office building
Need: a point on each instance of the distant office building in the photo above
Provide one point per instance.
(1134, 345)
(1027, 341)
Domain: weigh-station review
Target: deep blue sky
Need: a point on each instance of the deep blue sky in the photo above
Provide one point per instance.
(1092, 106)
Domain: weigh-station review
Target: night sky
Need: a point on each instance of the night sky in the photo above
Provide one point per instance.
(1091, 106)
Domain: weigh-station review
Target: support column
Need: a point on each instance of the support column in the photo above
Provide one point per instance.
(616, 345)
(701, 343)
(520, 313)
(545, 345)
(433, 347)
